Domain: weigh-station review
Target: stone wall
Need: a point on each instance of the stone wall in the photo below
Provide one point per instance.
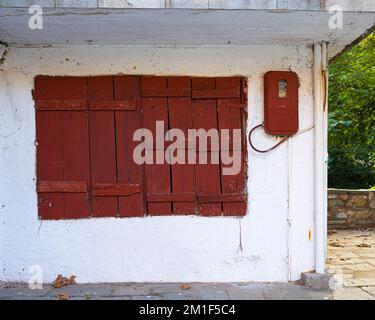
(351, 209)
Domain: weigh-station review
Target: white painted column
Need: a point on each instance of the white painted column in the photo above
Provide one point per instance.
(320, 152)
(325, 137)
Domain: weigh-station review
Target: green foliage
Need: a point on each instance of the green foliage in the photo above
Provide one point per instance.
(352, 117)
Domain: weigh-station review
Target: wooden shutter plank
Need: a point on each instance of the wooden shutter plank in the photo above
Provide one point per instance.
(73, 88)
(62, 186)
(127, 87)
(174, 87)
(225, 87)
(103, 160)
(231, 118)
(76, 162)
(47, 88)
(49, 162)
(61, 105)
(152, 86)
(183, 175)
(226, 198)
(180, 197)
(60, 93)
(157, 175)
(207, 175)
(102, 145)
(125, 105)
(115, 189)
(214, 94)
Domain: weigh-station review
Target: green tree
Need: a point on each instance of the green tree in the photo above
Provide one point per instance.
(352, 117)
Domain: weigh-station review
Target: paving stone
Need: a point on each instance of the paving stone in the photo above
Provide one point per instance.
(370, 261)
(213, 295)
(366, 254)
(320, 294)
(359, 267)
(192, 295)
(364, 274)
(274, 292)
(167, 287)
(147, 297)
(243, 294)
(351, 294)
(359, 282)
(316, 280)
(28, 298)
(296, 294)
(132, 290)
(24, 291)
(370, 290)
(82, 290)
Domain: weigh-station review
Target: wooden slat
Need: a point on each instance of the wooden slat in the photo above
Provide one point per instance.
(125, 105)
(62, 137)
(216, 94)
(173, 197)
(102, 145)
(213, 198)
(49, 161)
(76, 161)
(47, 88)
(115, 189)
(235, 105)
(170, 92)
(128, 87)
(60, 104)
(183, 175)
(232, 118)
(62, 186)
(157, 175)
(207, 176)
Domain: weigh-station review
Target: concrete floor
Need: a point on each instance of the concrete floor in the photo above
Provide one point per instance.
(166, 291)
(351, 256)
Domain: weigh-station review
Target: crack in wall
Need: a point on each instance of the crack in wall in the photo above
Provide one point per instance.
(4, 54)
(240, 248)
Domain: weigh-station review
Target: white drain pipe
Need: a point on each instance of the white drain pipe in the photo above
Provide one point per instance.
(320, 154)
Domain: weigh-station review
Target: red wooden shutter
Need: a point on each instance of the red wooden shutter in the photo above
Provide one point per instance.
(183, 175)
(85, 130)
(126, 88)
(158, 180)
(114, 116)
(102, 145)
(62, 148)
(218, 103)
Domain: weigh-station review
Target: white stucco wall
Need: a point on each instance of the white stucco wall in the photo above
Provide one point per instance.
(270, 243)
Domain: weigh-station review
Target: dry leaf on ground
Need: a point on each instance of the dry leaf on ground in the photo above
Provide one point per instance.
(63, 296)
(335, 244)
(185, 286)
(363, 245)
(61, 281)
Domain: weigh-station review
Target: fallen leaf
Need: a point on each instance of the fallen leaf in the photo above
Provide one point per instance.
(63, 296)
(363, 245)
(72, 280)
(335, 244)
(61, 281)
(185, 286)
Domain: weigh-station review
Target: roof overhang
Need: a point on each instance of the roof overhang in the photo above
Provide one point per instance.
(186, 27)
